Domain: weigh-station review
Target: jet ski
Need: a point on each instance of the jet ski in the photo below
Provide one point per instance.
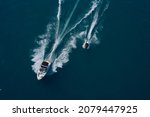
(86, 45)
(43, 69)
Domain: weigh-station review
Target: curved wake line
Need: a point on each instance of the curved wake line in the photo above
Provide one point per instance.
(69, 18)
(57, 31)
(95, 20)
(93, 7)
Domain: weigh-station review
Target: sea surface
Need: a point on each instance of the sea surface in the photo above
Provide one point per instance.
(116, 68)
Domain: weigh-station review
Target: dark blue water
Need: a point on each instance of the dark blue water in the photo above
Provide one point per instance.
(118, 68)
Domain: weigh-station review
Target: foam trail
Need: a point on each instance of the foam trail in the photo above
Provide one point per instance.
(57, 42)
(57, 31)
(64, 56)
(58, 38)
(69, 18)
(38, 55)
(58, 19)
(96, 18)
(93, 24)
(39, 52)
(106, 7)
(93, 7)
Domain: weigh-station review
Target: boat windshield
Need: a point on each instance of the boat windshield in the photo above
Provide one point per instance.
(45, 63)
(43, 69)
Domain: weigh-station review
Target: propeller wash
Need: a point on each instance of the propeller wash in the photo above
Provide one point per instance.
(60, 38)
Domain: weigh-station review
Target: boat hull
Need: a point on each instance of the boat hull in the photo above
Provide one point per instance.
(44, 68)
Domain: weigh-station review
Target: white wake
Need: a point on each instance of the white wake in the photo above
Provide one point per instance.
(39, 52)
(92, 33)
(56, 43)
(93, 7)
(64, 56)
(61, 57)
